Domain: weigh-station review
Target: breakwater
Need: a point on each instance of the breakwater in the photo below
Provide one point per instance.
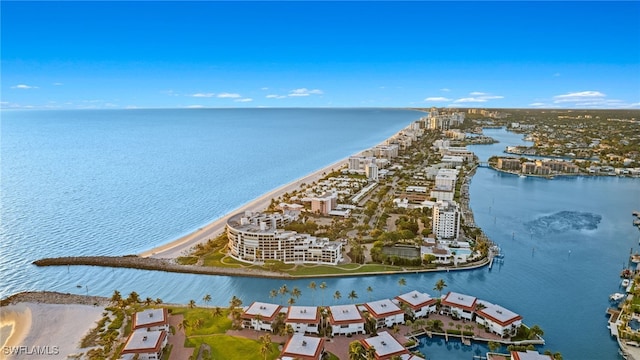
(142, 263)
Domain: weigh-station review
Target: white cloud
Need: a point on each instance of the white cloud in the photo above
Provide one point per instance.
(305, 92)
(537, 104)
(578, 96)
(478, 97)
(274, 96)
(194, 106)
(445, 89)
(24, 87)
(229, 95)
(244, 100)
(57, 84)
(437, 99)
(264, 88)
(203, 95)
(469, 99)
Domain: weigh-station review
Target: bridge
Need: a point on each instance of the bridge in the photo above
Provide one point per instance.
(483, 164)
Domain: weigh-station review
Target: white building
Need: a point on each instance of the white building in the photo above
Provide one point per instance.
(420, 304)
(385, 312)
(446, 178)
(303, 319)
(260, 316)
(144, 345)
(346, 319)
(151, 319)
(387, 347)
(325, 203)
(446, 220)
(259, 237)
(500, 321)
(371, 171)
(462, 305)
(301, 347)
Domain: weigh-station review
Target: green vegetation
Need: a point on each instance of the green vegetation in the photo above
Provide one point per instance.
(204, 321)
(232, 347)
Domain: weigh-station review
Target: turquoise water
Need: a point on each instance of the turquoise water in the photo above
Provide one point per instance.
(74, 184)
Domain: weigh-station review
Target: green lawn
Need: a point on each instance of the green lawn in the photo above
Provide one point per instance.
(215, 259)
(231, 347)
(210, 324)
(342, 269)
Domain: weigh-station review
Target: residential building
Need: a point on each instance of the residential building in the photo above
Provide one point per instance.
(387, 347)
(446, 178)
(151, 319)
(144, 345)
(345, 319)
(303, 319)
(446, 220)
(260, 237)
(509, 164)
(419, 304)
(371, 171)
(324, 204)
(260, 316)
(385, 312)
(529, 355)
(462, 305)
(302, 347)
(499, 320)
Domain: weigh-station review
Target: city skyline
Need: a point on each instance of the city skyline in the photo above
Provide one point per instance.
(74, 55)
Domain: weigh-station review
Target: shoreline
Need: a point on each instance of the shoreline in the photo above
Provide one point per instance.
(183, 244)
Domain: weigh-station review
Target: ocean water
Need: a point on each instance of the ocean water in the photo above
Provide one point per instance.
(565, 240)
(116, 182)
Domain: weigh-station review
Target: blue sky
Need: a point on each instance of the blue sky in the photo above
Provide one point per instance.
(70, 55)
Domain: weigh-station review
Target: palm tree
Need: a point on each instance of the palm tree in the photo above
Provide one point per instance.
(158, 301)
(134, 297)
(148, 301)
(369, 290)
(493, 346)
(356, 350)
(217, 311)
(265, 345)
(206, 299)
(440, 285)
(322, 286)
(371, 353)
(192, 304)
(291, 301)
(116, 297)
(197, 323)
(337, 295)
(183, 325)
(312, 286)
(273, 294)
(295, 292)
(535, 331)
(402, 282)
(283, 290)
(234, 302)
(352, 295)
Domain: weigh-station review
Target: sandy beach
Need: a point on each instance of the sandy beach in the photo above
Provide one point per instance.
(46, 331)
(182, 246)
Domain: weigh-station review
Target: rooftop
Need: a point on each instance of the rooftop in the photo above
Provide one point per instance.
(497, 312)
(149, 317)
(304, 313)
(265, 310)
(462, 300)
(383, 307)
(345, 313)
(300, 345)
(416, 298)
(143, 341)
(385, 344)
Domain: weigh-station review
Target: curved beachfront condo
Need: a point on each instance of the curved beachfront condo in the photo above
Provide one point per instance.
(260, 237)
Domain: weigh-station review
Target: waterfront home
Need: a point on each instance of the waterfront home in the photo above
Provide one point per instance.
(459, 305)
(499, 320)
(346, 319)
(387, 347)
(385, 313)
(260, 316)
(529, 355)
(151, 319)
(303, 347)
(260, 237)
(303, 319)
(144, 345)
(419, 304)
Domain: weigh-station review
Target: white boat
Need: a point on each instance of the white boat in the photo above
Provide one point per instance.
(616, 296)
(523, 176)
(625, 283)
